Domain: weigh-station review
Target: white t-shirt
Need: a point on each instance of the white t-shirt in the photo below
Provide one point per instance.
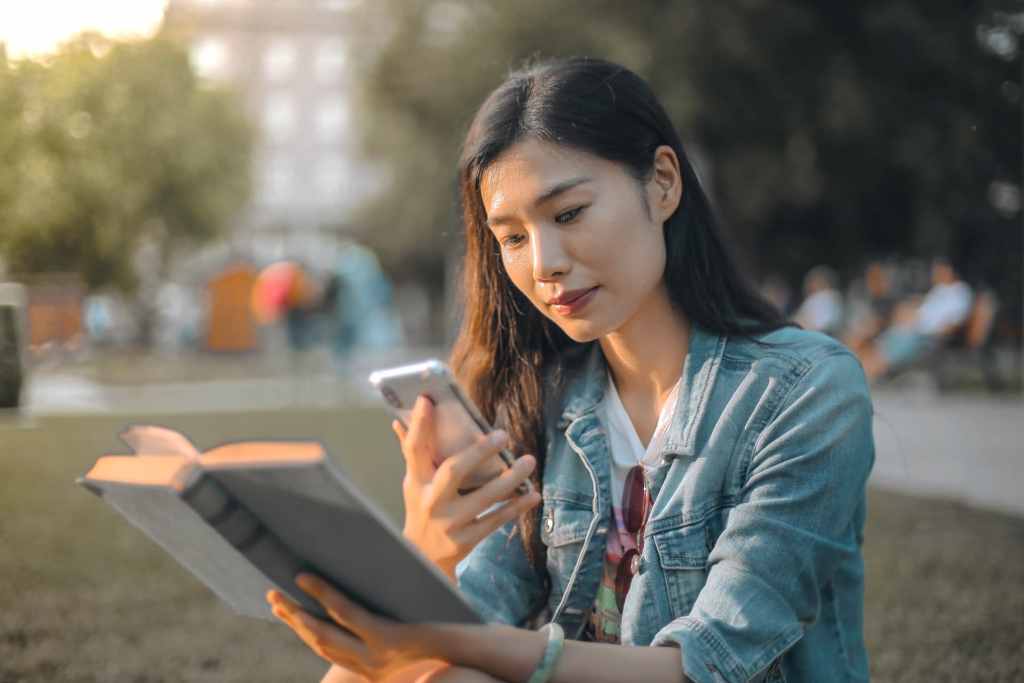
(821, 311)
(626, 451)
(943, 306)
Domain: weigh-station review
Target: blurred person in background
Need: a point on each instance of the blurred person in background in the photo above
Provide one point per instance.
(348, 306)
(699, 464)
(777, 292)
(822, 307)
(300, 314)
(359, 304)
(871, 303)
(179, 317)
(285, 291)
(920, 325)
(98, 318)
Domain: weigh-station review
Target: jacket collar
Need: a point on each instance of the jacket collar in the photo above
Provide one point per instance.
(698, 379)
(586, 386)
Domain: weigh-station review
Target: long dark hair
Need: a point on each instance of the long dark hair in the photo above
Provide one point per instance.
(505, 345)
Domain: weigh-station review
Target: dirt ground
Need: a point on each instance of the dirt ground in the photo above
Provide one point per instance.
(85, 597)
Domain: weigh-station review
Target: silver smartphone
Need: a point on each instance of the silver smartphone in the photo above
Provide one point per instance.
(457, 420)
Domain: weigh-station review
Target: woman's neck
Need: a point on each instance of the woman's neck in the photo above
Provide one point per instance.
(646, 354)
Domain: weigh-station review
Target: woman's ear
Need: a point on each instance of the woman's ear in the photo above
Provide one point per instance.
(665, 189)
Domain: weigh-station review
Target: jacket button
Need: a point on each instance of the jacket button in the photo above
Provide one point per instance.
(634, 564)
(549, 524)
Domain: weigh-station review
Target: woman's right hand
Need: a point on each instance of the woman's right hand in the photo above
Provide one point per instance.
(442, 523)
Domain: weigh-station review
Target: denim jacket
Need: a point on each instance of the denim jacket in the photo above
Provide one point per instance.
(752, 561)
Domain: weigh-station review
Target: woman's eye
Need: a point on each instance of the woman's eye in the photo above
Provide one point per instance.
(569, 216)
(511, 241)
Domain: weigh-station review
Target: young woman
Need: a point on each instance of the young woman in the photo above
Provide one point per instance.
(701, 465)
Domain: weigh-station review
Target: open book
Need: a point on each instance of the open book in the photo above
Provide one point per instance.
(247, 517)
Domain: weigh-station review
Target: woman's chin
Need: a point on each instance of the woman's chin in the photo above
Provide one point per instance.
(582, 331)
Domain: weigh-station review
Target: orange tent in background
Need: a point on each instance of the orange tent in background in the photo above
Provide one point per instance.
(54, 310)
(230, 325)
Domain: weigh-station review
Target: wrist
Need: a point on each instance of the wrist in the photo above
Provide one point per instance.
(449, 571)
(462, 644)
(446, 567)
(552, 653)
(502, 651)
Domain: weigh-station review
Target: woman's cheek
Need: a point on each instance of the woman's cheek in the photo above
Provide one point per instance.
(517, 269)
(511, 257)
(517, 266)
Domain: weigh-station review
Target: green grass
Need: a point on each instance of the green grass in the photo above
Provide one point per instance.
(86, 597)
(945, 591)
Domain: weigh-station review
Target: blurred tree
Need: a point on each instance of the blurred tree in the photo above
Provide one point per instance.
(109, 147)
(831, 132)
(421, 85)
(839, 131)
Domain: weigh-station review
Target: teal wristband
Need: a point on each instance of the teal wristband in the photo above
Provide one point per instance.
(556, 639)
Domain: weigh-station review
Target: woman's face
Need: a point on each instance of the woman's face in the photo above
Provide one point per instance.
(575, 236)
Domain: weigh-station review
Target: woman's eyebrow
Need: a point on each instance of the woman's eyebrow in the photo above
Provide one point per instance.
(559, 188)
(546, 196)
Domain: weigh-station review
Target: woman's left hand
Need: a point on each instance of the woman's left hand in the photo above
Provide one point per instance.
(379, 646)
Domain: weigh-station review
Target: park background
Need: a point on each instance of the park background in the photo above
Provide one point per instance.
(148, 180)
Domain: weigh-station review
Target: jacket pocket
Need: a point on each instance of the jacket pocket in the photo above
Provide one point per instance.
(683, 558)
(561, 525)
(563, 530)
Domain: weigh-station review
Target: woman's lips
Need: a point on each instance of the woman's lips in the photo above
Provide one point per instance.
(573, 307)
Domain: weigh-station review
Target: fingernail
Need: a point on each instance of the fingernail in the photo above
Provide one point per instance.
(499, 437)
(528, 463)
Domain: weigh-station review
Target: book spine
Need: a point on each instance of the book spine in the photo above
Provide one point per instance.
(249, 536)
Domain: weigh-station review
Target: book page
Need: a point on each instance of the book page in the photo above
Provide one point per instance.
(156, 440)
(262, 453)
(142, 470)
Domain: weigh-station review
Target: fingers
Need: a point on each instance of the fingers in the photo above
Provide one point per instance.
(498, 489)
(420, 442)
(453, 471)
(279, 599)
(323, 638)
(339, 674)
(486, 524)
(341, 609)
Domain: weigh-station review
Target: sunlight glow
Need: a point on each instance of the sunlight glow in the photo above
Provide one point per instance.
(38, 26)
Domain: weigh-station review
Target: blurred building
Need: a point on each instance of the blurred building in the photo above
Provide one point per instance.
(287, 59)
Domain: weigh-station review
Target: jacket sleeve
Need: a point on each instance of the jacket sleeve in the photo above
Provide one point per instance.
(792, 526)
(498, 579)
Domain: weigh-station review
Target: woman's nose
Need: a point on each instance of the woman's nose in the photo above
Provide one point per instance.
(550, 259)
